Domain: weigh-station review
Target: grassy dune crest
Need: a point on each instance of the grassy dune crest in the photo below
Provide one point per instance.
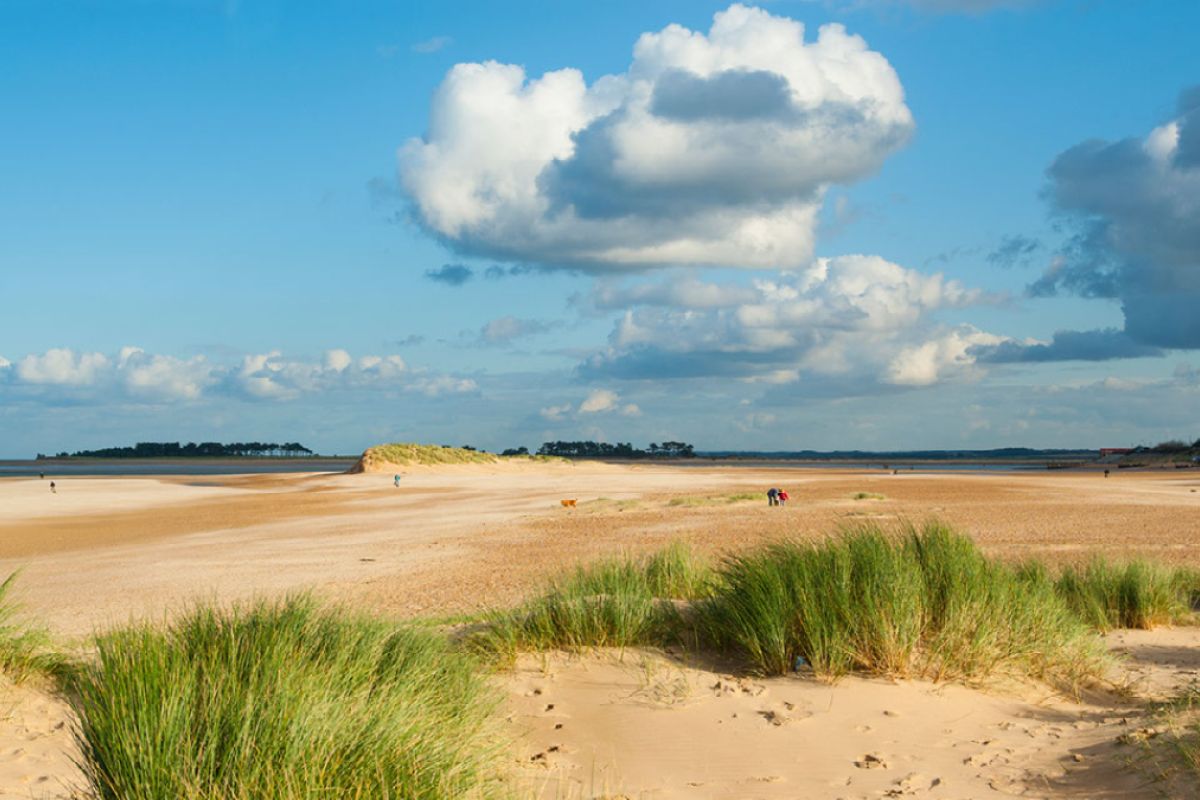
(922, 603)
(283, 701)
(403, 454)
(925, 603)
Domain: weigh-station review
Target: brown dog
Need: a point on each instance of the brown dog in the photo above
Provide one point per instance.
(567, 503)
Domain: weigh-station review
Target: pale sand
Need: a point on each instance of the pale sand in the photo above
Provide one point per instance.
(454, 539)
(640, 726)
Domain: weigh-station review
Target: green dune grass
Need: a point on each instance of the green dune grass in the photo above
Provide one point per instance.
(26, 651)
(922, 603)
(619, 602)
(1130, 594)
(422, 454)
(283, 701)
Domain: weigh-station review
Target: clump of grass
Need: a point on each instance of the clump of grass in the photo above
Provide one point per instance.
(678, 572)
(605, 503)
(282, 701)
(868, 496)
(1172, 744)
(25, 650)
(689, 501)
(621, 602)
(926, 603)
(715, 500)
(1131, 594)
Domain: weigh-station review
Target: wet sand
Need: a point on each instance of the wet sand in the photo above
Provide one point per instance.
(454, 539)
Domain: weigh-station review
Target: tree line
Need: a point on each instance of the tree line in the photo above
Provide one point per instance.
(618, 450)
(194, 450)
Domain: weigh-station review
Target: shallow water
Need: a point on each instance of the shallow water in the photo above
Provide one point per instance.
(30, 468)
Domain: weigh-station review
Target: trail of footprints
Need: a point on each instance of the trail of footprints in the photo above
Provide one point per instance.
(1003, 764)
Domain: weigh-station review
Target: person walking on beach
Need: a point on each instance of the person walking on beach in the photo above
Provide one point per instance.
(772, 496)
(783, 497)
(396, 481)
(52, 489)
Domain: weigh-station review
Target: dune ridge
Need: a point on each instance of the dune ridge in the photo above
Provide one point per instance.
(387, 457)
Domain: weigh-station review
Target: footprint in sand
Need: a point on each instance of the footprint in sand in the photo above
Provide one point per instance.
(913, 785)
(872, 761)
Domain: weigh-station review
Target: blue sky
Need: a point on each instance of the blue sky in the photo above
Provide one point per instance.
(500, 224)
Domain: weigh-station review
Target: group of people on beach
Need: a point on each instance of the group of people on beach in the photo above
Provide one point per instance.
(777, 497)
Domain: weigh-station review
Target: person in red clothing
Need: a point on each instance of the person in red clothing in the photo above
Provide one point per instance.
(783, 497)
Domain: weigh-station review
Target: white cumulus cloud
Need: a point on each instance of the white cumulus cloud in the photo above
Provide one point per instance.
(62, 367)
(134, 374)
(712, 149)
(556, 413)
(850, 315)
(599, 401)
(938, 358)
(166, 377)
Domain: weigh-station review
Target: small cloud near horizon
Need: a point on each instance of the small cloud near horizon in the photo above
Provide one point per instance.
(1013, 251)
(432, 45)
(451, 274)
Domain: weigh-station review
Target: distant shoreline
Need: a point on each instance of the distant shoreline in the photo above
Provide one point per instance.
(161, 467)
(176, 460)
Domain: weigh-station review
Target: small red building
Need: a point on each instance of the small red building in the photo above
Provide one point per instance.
(1114, 451)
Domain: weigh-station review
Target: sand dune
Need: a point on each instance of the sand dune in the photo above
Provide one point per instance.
(638, 725)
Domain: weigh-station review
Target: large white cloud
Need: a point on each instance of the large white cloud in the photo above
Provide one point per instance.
(847, 316)
(712, 149)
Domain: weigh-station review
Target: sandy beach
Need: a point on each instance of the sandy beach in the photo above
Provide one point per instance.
(456, 539)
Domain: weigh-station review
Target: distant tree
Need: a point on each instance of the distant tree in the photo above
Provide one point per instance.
(194, 450)
(623, 450)
(518, 451)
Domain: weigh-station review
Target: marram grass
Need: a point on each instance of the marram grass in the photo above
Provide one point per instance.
(422, 454)
(620, 602)
(283, 701)
(1130, 594)
(924, 603)
(25, 650)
